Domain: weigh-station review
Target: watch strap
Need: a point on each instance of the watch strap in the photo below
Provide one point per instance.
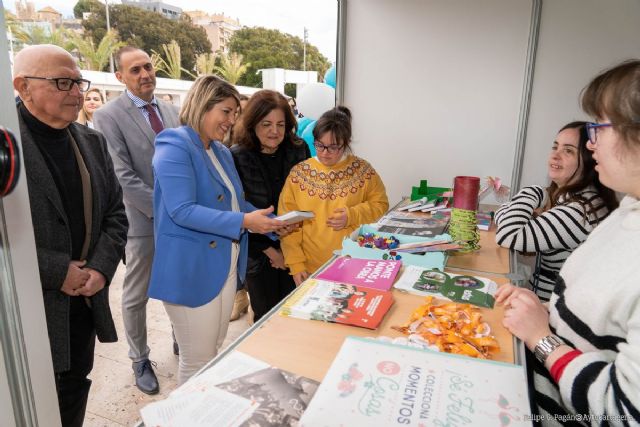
(546, 346)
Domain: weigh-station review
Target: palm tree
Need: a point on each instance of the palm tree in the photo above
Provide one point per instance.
(92, 58)
(232, 68)
(58, 37)
(205, 63)
(14, 27)
(171, 66)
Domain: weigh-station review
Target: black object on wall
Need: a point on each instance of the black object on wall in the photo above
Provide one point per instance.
(9, 161)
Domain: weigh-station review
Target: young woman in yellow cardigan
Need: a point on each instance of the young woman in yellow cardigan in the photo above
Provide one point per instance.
(342, 190)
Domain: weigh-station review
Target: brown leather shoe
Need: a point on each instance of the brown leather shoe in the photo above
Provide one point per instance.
(240, 305)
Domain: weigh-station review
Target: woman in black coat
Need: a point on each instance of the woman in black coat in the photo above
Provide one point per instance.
(265, 148)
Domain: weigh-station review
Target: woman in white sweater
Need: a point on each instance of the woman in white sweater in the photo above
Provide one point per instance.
(587, 345)
(552, 222)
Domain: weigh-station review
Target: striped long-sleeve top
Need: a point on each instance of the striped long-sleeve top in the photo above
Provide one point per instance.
(553, 235)
(596, 309)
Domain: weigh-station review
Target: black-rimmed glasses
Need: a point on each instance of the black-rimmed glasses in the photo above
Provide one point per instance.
(331, 149)
(64, 83)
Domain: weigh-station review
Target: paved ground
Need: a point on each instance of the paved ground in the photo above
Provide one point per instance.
(114, 399)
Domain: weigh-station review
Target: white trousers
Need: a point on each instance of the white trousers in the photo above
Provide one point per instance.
(200, 331)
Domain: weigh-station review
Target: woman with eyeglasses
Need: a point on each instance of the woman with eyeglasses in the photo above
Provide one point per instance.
(341, 189)
(92, 101)
(587, 342)
(265, 148)
(551, 222)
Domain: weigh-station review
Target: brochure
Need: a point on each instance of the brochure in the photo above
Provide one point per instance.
(374, 274)
(281, 396)
(474, 290)
(295, 217)
(339, 303)
(413, 225)
(372, 383)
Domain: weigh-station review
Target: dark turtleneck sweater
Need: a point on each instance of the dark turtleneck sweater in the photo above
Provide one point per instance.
(57, 151)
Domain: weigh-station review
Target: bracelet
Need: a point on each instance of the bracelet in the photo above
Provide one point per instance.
(559, 365)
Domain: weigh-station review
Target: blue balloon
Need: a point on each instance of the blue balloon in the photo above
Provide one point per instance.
(330, 77)
(303, 122)
(307, 135)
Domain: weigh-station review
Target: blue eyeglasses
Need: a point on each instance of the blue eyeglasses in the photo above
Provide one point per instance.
(592, 130)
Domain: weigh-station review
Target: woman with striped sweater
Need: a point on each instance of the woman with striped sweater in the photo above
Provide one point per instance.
(587, 345)
(552, 222)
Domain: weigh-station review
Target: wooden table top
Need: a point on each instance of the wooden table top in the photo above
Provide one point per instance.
(308, 347)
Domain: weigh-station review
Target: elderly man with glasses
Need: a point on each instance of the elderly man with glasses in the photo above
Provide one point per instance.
(79, 221)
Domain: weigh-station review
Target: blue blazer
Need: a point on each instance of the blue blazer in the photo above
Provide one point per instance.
(193, 222)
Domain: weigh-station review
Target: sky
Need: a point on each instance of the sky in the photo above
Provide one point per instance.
(289, 16)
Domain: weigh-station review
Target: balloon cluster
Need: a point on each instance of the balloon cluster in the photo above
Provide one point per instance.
(313, 100)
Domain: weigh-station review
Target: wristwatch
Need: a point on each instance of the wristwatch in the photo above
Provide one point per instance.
(545, 346)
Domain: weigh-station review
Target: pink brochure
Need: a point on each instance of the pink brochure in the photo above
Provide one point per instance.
(368, 273)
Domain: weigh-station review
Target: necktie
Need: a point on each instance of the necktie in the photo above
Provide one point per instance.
(154, 120)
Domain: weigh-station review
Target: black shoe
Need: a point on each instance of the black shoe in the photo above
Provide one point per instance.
(146, 379)
(176, 349)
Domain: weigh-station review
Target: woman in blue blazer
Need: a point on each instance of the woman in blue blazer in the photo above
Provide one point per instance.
(201, 220)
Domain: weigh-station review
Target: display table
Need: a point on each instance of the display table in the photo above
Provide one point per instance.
(308, 347)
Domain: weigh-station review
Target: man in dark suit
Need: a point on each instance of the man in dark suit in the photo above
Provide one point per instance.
(130, 124)
(79, 221)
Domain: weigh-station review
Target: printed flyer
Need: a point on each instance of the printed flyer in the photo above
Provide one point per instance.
(403, 386)
(474, 290)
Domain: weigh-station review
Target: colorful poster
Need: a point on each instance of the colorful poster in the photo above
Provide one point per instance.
(374, 274)
(402, 386)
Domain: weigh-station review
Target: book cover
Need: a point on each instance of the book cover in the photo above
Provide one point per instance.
(474, 290)
(281, 396)
(368, 273)
(403, 386)
(338, 303)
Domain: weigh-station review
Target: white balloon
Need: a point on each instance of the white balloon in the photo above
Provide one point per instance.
(316, 98)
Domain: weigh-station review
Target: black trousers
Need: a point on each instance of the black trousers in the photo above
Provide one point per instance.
(73, 385)
(267, 287)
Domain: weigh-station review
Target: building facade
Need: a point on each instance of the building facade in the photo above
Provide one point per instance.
(219, 28)
(164, 9)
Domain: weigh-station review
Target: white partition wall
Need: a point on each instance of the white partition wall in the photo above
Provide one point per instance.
(578, 39)
(435, 86)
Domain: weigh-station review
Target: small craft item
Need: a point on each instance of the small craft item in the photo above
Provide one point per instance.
(463, 225)
(453, 328)
(370, 240)
(493, 184)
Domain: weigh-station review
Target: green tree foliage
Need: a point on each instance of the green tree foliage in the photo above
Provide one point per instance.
(92, 58)
(149, 31)
(231, 67)
(83, 6)
(265, 48)
(58, 37)
(170, 63)
(205, 63)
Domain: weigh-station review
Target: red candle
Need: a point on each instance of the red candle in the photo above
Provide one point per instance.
(465, 192)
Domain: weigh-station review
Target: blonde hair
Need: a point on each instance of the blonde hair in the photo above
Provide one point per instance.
(206, 92)
(83, 115)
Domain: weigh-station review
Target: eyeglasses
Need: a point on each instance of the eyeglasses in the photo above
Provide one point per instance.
(592, 130)
(331, 149)
(64, 83)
